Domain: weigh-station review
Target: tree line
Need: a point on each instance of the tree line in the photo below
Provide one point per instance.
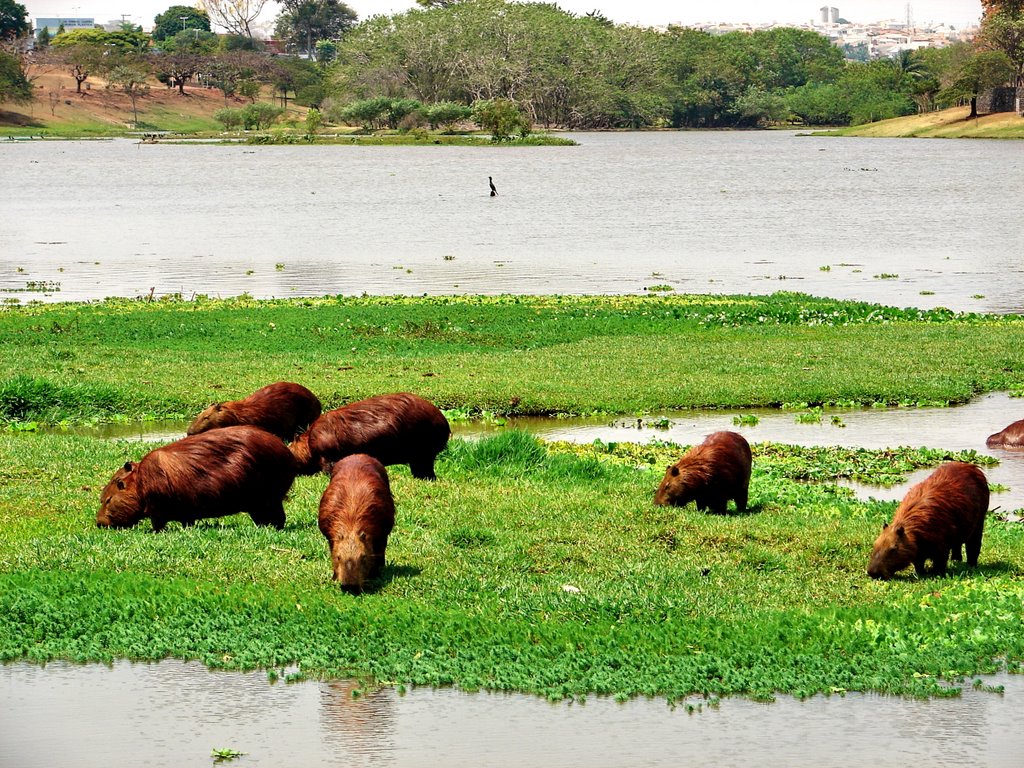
(557, 68)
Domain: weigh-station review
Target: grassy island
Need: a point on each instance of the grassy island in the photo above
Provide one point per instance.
(528, 566)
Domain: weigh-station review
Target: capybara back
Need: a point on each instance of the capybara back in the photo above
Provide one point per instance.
(400, 428)
(709, 474)
(357, 514)
(212, 474)
(284, 409)
(938, 515)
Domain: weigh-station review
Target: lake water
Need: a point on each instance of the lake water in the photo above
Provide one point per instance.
(718, 212)
(174, 714)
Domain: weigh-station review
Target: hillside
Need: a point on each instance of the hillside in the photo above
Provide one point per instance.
(99, 110)
(944, 124)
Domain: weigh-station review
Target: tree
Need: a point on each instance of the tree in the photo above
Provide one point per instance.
(236, 16)
(307, 22)
(120, 41)
(178, 18)
(131, 80)
(447, 114)
(14, 86)
(79, 60)
(13, 20)
(981, 72)
(502, 118)
(1002, 29)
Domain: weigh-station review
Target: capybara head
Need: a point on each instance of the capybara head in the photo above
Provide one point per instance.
(893, 552)
(119, 500)
(352, 558)
(212, 417)
(679, 486)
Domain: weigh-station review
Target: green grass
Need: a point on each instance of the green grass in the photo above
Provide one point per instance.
(503, 355)
(526, 567)
(531, 567)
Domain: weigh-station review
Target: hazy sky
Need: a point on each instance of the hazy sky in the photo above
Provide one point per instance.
(647, 12)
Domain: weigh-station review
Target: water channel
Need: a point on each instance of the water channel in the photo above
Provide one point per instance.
(903, 222)
(175, 713)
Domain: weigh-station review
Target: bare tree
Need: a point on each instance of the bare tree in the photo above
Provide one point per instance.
(236, 16)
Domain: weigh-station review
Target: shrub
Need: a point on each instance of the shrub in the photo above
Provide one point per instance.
(501, 118)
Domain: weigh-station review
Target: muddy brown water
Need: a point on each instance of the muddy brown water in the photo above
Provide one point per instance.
(173, 714)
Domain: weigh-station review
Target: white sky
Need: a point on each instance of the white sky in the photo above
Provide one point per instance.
(647, 12)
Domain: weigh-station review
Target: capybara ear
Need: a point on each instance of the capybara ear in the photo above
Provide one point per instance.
(218, 407)
(674, 470)
(900, 531)
(885, 526)
(128, 466)
(362, 535)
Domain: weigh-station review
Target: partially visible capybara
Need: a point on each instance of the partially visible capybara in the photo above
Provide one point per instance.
(216, 473)
(710, 474)
(1011, 437)
(937, 515)
(283, 409)
(357, 514)
(395, 429)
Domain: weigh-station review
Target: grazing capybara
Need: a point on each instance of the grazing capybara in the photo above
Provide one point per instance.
(395, 429)
(1011, 437)
(216, 473)
(283, 409)
(710, 474)
(357, 514)
(937, 515)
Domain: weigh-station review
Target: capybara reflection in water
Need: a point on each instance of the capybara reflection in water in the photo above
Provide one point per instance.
(283, 409)
(394, 429)
(1011, 437)
(710, 474)
(936, 516)
(357, 514)
(216, 473)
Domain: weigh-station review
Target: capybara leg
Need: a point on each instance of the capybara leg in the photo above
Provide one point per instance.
(919, 567)
(940, 561)
(741, 501)
(271, 515)
(956, 553)
(973, 549)
(423, 470)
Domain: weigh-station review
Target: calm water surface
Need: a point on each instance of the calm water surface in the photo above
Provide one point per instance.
(173, 714)
(719, 212)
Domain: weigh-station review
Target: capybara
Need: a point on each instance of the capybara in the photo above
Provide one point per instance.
(1011, 437)
(357, 514)
(395, 429)
(937, 515)
(710, 474)
(283, 409)
(216, 473)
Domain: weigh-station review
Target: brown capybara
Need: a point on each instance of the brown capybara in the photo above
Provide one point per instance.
(216, 473)
(1011, 437)
(357, 514)
(395, 429)
(937, 515)
(283, 409)
(710, 474)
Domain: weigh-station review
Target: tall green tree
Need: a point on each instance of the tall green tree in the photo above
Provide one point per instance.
(177, 18)
(1002, 29)
(14, 86)
(306, 22)
(13, 20)
(981, 72)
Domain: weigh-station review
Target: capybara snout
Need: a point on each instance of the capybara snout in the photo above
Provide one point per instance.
(936, 517)
(1011, 437)
(709, 474)
(357, 514)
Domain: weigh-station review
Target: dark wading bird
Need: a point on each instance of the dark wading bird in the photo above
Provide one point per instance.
(494, 192)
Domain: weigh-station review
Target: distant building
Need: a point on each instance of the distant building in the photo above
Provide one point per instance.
(52, 24)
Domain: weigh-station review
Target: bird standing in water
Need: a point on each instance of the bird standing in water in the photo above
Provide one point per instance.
(494, 192)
